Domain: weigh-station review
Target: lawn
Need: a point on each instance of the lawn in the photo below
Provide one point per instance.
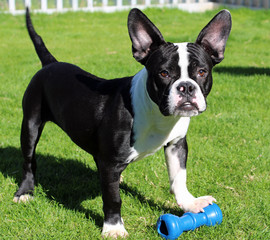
(229, 145)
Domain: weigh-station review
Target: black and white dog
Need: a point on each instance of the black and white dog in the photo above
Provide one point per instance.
(123, 120)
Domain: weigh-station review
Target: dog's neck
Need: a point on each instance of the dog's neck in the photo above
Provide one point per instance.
(151, 129)
(140, 98)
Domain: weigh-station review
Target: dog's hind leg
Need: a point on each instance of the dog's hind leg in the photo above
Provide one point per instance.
(30, 134)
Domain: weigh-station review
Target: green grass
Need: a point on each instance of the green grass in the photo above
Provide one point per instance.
(228, 145)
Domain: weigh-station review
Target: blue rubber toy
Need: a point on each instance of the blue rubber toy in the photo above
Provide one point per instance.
(171, 227)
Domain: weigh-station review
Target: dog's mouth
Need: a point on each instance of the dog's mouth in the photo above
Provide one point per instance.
(184, 107)
(188, 106)
(187, 109)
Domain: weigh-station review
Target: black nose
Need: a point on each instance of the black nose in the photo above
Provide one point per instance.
(186, 88)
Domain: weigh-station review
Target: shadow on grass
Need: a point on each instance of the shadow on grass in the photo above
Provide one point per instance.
(246, 71)
(69, 182)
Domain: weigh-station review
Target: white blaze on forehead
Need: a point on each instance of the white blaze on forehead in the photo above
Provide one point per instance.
(183, 59)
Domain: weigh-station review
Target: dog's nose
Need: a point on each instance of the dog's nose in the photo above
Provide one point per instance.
(186, 88)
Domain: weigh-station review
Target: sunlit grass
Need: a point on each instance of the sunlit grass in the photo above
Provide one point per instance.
(228, 144)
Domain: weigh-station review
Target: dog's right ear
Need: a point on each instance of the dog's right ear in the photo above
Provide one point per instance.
(144, 35)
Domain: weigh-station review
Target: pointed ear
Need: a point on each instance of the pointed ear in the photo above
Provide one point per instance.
(214, 36)
(144, 35)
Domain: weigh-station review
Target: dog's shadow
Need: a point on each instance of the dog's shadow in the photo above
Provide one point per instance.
(245, 71)
(69, 182)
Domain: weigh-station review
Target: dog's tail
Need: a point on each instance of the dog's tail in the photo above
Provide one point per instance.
(43, 53)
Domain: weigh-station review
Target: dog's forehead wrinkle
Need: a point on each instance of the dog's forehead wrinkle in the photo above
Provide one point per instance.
(167, 49)
(198, 56)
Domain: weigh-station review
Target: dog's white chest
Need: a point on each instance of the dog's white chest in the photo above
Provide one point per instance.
(149, 140)
(151, 129)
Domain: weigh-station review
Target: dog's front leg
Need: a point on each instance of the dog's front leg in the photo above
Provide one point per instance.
(113, 226)
(176, 158)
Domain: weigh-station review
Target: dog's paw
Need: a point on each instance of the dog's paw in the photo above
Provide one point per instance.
(114, 231)
(197, 204)
(115, 234)
(23, 198)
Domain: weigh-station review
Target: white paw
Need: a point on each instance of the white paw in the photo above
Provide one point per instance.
(197, 205)
(23, 198)
(115, 234)
(114, 231)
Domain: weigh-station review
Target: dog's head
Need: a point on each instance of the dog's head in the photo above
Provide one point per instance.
(179, 75)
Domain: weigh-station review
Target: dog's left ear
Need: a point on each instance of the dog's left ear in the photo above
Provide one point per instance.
(214, 36)
(144, 35)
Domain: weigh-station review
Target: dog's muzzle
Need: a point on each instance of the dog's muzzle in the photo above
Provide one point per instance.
(186, 99)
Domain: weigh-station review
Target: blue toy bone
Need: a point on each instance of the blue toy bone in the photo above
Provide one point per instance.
(171, 227)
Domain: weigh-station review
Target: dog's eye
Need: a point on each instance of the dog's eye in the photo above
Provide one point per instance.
(164, 73)
(202, 73)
